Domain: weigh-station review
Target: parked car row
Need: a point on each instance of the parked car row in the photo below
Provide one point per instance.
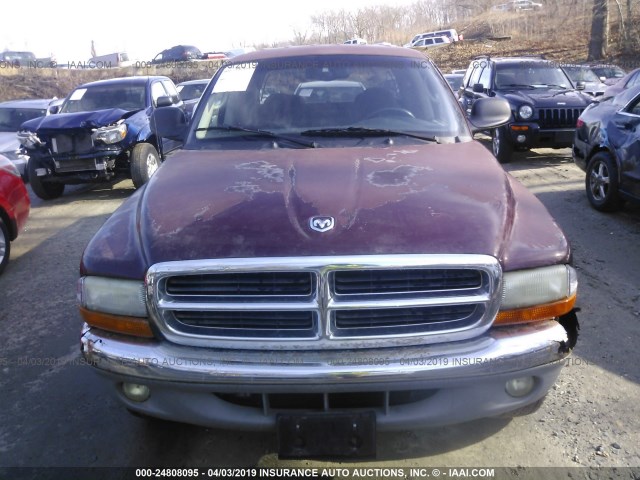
(565, 106)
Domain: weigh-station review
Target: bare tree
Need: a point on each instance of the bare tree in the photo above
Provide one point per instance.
(599, 30)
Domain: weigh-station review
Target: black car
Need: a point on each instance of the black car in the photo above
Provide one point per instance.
(101, 131)
(607, 147)
(179, 53)
(544, 105)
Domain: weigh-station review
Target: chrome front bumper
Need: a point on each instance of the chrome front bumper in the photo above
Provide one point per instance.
(467, 377)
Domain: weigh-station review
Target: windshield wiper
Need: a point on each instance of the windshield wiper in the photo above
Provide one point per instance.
(516, 85)
(363, 132)
(261, 133)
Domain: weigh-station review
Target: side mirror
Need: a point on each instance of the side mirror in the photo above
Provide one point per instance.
(164, 102)
(602, 79)
(169, 122)
(488, 113)
(478, 88)
(54, 109)
(580, 85)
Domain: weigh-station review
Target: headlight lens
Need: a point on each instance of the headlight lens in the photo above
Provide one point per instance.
(111, 295)
(28, 139)
(537, 294)
(526, 288)
(525, 112)
(110, 134)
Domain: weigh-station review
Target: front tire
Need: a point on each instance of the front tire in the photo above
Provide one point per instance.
(601, 183)
(145, 161)
(501, 147)
(5, 245)
(43, 189)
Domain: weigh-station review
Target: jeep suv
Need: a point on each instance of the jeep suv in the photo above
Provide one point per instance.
(544, 104)
(325, 267)
(101, 131)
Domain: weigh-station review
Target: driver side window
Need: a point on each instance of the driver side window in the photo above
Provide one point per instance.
(157, 91)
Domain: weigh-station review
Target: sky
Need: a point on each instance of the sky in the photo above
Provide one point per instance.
(65, 28)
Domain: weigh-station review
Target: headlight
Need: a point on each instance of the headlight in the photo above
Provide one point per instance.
(28, 139)
(537, 294)
(115, 305)
(111, 134)
(525, 112)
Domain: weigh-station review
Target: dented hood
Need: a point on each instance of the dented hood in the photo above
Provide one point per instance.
(425, 199)
(63, 121)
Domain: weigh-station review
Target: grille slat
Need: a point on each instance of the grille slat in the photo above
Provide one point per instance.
(251, 324)
(244, 284)
(558, 117)
(404, 281)
(348, 319)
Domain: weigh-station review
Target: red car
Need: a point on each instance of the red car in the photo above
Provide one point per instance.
(14, 207)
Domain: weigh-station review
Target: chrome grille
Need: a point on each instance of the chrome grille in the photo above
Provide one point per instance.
(324, 302)
(558, 117)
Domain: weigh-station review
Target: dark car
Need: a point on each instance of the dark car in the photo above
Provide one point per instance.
(585, 80)
(179, 53)
(454, 80)
(12, 115)
(544, 104)
(322, 265)
(190, 92)
(101, 131)
(607, 148)
(631, 79)
(14, 208)
(17, 59)
(608, 74)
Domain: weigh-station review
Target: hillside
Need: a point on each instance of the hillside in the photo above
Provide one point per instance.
(20, 83)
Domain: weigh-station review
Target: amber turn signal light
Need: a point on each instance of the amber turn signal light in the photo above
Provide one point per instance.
(536, 313)
(138, 327)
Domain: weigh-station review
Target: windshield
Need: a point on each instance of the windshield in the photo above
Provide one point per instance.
(580, 74)
(331, 97)
(12, 118)
(102, 97)
(533, 75)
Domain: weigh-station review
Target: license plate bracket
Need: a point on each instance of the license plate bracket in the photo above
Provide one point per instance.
(327, 435)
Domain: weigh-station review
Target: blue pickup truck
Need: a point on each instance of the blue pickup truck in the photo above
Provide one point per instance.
(100, 132)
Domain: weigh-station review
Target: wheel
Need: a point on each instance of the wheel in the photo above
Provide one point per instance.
(43, 189)
(5, 245)
(392, 111)
(144, 163)
(601, 183)
(502, 149)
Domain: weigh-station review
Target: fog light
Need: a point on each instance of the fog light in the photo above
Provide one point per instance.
(521, 138)
(135, 392)
(519, 387)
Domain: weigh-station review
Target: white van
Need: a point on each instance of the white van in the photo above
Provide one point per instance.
(355, 41)
(450, 33)
(429, 42)
(111, 60)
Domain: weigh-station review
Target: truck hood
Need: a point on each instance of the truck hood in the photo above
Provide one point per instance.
(64, 121)
(424, 199)
(545, 98)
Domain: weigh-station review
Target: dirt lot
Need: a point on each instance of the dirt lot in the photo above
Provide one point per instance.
(54, 411)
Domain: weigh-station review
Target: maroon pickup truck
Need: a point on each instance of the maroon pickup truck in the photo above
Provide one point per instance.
(328, 255)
